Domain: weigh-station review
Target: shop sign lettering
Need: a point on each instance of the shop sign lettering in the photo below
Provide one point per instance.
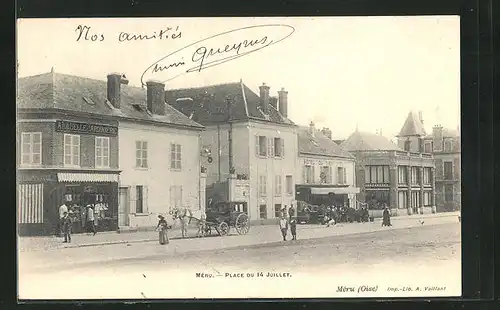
(85, 128)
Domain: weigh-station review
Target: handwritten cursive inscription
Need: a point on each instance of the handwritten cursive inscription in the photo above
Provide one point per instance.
(215, 50)
(166, 33)
(84, 33)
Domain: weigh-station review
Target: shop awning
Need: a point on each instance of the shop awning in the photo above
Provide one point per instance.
(335, 190)
(87, 177)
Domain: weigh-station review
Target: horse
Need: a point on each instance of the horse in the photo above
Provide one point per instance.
(184, 214)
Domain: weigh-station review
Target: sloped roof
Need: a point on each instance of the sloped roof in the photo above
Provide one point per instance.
(413, 126)
(319, 144)
(80, 94)
(207, 105)
(364, 141)
(447, 133)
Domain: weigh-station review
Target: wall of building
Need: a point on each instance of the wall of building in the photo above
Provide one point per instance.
(319, 161)
(271, 167)
(53, 142)
(158, 178)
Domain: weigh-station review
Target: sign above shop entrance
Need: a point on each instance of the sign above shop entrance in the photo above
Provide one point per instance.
(85, 128)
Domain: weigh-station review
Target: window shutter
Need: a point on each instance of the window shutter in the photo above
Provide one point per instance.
(270, 146)
(313, 175)
(133, 199)
(345, 175)
(456, 168)
(329, 180)
(257, 146)
(282, 141)
(145, 202)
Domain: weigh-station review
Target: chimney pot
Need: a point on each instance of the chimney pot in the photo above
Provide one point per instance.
(114, 89)
(283, 102)
(264, 98)
(155, 97)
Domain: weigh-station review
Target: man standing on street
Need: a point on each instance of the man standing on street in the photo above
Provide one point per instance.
(283, 226)
(62, 209)
(90, 220)
(67, 225)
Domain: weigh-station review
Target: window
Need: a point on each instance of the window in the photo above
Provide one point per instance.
(175, 196)
(277, 210)
(260, 146)
(262, 185)
(448, 170)
(448, 192)
(402, 175)
(448, 144)
(277, 186)
(175, 156)
(377, 199)
(31, 148)
(326, 174)
(279, 147)
(263, 212)
(71, 150)
(308, 174)
(377, 174)
(427, 175)
(289, 185)
(341, 175)
(102, 152)
(427, 198)
(141, 154)
(402, 199)
(428, 147)
(407, 145)
(415, 199)
(415, 175)
(139, 199)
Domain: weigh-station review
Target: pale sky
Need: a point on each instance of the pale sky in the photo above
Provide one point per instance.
(339, 71)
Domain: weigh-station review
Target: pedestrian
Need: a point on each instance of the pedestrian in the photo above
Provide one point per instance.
(90, 220)
(67, 226)
(162, 230)
(293, 227)
(386, 217)
(185, 220)
(283, 226)
(62, 209)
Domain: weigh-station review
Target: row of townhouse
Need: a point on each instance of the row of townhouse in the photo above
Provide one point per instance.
(140, 152)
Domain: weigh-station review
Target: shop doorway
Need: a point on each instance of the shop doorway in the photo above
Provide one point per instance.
(123, 207)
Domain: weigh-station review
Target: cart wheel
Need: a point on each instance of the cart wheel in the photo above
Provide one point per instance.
(208, 231)
(223, 229)
(242, 224)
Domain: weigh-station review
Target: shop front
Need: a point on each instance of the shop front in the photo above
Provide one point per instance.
(41, 193)
(328, 195)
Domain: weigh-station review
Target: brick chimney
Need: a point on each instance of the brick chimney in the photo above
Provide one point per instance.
(274, 102)
(156, 97)
(327, 132)
(114, 88)
(283, 102)
(437, 137)
(264, 98)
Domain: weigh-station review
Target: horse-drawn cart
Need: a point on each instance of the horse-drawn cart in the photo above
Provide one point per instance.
(223, 215)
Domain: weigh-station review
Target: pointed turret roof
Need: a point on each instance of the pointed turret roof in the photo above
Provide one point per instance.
(413, 126)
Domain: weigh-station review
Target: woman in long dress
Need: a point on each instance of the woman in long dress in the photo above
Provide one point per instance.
(162, 230)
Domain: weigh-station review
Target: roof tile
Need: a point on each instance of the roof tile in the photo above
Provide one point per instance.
(364, 141)
(319, 144)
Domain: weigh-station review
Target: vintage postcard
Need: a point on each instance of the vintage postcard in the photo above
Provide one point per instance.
(238, 157)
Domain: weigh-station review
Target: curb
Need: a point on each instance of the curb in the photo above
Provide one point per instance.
(178, 238)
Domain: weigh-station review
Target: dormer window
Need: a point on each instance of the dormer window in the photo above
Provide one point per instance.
(448, 145)
(407, 145)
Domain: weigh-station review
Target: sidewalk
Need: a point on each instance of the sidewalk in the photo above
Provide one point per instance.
(256, 234)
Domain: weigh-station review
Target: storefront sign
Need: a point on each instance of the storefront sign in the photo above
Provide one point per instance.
(85, 128)
(36, 177)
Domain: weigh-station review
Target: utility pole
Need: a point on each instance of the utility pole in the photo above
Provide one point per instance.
(230, 133)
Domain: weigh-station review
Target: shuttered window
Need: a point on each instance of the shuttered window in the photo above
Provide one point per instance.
(30, 203)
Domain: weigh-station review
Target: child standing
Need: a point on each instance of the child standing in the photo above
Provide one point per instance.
(201, 226)
(67, 226)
